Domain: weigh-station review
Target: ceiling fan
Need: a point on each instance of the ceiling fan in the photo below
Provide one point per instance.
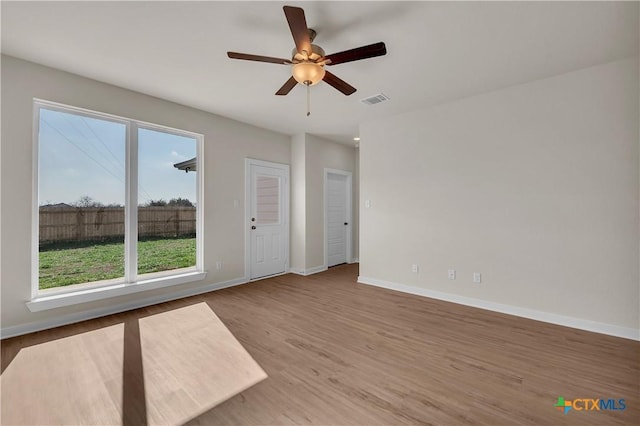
(308, 60)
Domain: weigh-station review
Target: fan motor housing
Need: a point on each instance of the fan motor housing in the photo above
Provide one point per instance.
(317, 53)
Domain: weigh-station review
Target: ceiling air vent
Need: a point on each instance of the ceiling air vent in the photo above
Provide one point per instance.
(375, 99)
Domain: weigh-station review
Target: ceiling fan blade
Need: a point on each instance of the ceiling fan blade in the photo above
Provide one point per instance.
(286, 88)
(298, 26)
(338, 83)
(258, 58)
(364, 52)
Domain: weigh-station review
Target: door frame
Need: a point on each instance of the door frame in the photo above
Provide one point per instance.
(349, 208)
(248, 162)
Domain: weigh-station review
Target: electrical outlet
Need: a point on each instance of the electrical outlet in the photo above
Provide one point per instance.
(414, 268)
(367, 204)
(477, 277)
(452, 274)
(219, 265)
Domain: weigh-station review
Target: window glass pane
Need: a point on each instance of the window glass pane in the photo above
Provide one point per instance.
(267, 200)
(81, 196)
(166, 201)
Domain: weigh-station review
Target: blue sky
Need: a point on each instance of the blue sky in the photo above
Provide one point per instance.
(82, 156)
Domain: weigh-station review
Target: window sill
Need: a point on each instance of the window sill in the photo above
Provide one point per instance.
(46, 302)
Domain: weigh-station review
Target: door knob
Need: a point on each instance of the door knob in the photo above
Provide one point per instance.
(253, 227)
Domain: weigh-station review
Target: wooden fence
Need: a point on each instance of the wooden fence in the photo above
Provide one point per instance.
(97, 223)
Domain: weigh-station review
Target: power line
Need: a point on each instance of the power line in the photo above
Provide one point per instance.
(118, 167)
(102, 142)
(149, 197)
(82, 150)
(113, 155)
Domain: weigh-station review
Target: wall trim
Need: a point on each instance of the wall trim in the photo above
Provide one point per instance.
(58, 300)
(581, 324)
(20, 329)
(310, 271)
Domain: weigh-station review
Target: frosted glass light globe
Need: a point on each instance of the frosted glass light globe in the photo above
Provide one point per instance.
(308, 73)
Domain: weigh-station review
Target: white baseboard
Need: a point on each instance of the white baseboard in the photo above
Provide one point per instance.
(581, 324)
(31, 327)
(310, 271)
(315, 270)
(355, 260)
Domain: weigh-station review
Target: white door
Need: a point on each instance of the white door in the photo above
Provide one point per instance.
(338, 217)
(268, 218)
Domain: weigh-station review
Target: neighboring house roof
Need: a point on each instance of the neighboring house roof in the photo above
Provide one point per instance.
(187, 166)
(56, 206)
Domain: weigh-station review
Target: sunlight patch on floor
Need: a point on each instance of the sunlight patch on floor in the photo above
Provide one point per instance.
(73, 380)
(165, 368)
(192, 363)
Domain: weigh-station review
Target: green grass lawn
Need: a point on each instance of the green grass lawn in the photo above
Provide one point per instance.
(75, 263)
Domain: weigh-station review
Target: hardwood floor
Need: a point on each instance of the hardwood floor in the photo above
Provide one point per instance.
(161, 368)
(337, 352)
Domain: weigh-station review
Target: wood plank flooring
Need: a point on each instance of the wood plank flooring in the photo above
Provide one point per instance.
(160, 368)
(337, 353)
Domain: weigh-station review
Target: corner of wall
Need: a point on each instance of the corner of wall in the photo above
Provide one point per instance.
(298, 203)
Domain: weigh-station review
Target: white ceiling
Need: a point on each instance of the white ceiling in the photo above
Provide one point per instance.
(437, 51)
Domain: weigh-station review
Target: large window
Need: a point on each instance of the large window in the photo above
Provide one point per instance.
(114, 205)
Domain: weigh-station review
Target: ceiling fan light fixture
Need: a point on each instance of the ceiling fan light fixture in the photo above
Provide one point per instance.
(309, 59)
(308, 73)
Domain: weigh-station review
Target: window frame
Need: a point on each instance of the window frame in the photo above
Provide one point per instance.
(130, 282)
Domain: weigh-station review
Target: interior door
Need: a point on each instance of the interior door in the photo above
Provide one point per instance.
(337, 219)
(268, 223)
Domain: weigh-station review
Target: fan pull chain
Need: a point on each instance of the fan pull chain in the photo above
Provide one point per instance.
(308, 100)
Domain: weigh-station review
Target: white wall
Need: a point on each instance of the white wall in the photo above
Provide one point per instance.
(535, 186)
(298, 203)
(356, 207)
(226, 144)
(321, 154)
(310, 155)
